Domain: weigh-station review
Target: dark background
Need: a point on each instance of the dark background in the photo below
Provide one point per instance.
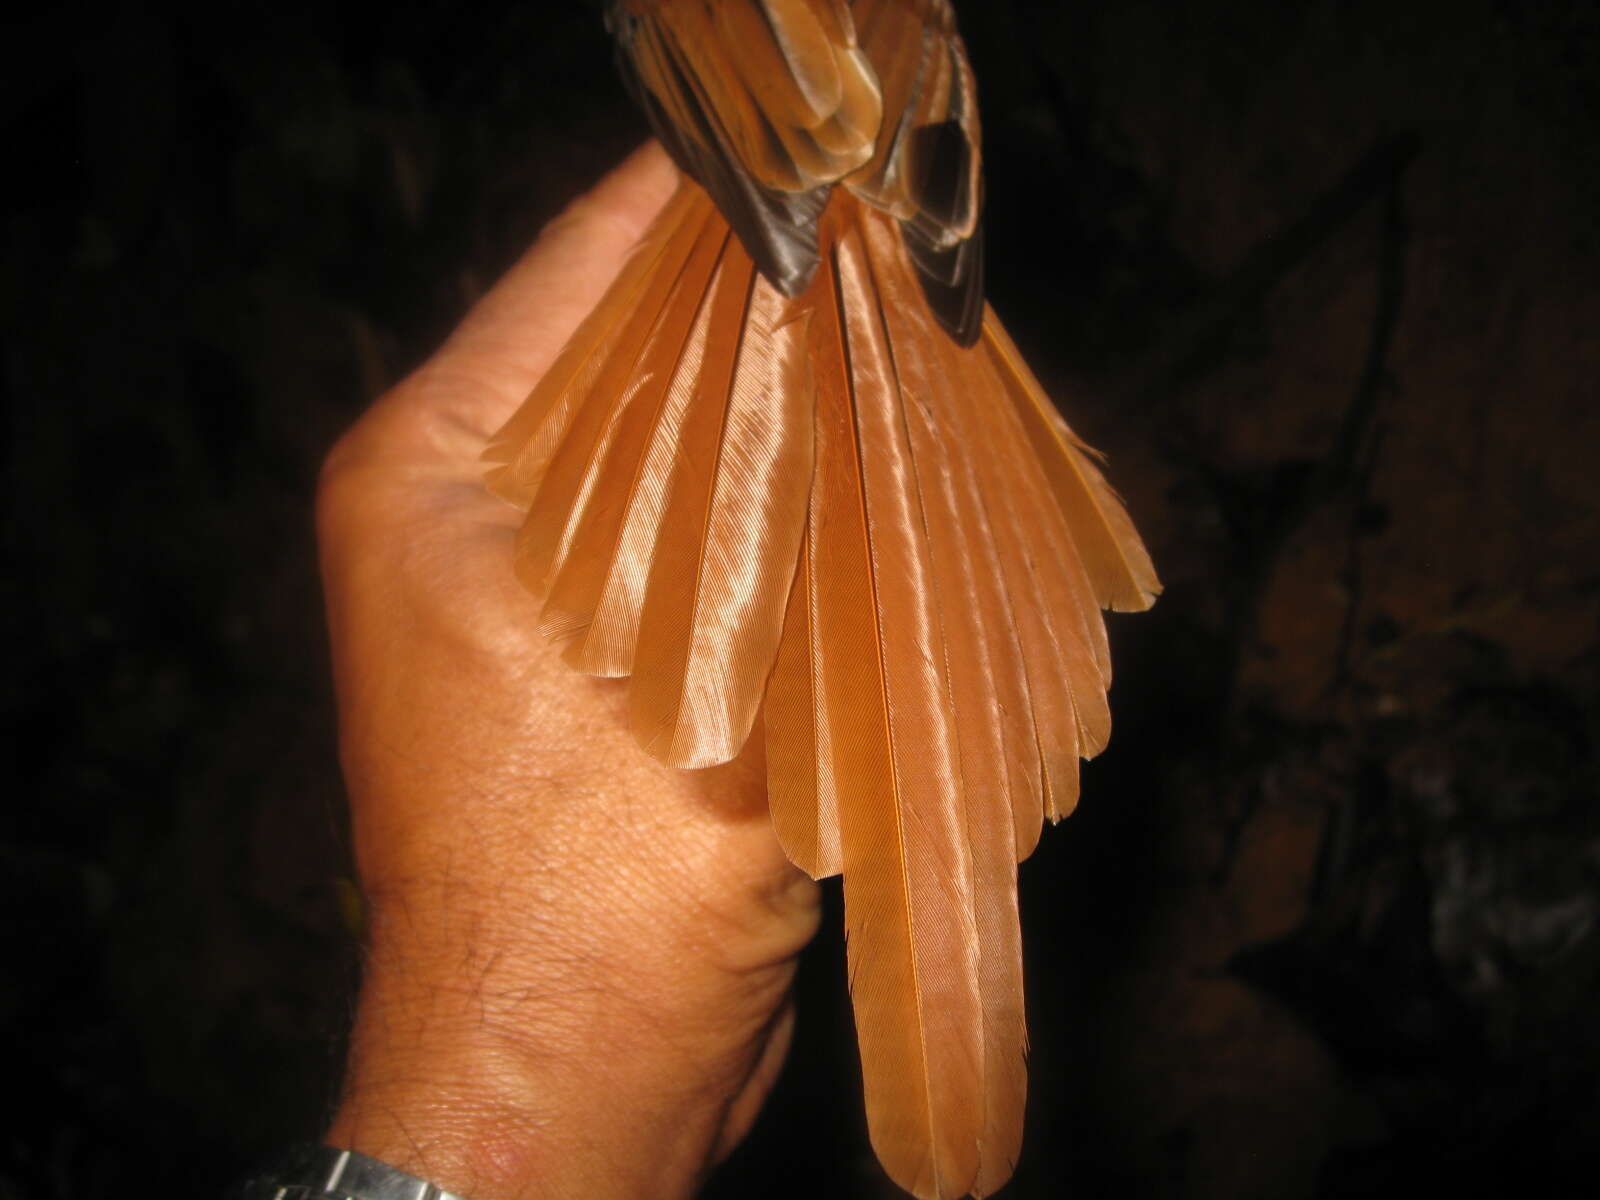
(1319, 277)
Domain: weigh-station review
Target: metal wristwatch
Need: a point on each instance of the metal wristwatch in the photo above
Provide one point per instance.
(324, 1173)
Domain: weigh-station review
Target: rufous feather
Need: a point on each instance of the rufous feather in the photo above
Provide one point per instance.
(997, 757)
(1118, 565)
(720, 579)
(906, 861)
(520, 451)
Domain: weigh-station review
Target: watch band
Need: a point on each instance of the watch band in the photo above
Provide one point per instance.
(324, 1173)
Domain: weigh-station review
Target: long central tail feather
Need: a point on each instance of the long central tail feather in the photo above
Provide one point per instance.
(913, 944)
(824, 513)
(998, 759)
(900, 737)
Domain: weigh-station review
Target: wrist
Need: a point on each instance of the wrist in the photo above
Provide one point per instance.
(564, 1077)
(492, 1118)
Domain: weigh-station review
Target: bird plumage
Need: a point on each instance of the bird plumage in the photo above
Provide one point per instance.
(792, 471)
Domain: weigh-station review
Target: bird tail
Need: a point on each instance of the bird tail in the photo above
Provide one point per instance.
(824, 512)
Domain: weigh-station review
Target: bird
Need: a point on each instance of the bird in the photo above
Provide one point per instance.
(792, 477)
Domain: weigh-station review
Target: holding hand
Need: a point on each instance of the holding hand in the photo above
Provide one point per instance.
(579, 960)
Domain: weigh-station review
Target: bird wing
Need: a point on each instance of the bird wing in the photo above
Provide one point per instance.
(926, 169)
(767, 103)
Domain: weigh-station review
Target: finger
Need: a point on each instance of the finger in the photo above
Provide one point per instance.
(513, 334)
(446, 411)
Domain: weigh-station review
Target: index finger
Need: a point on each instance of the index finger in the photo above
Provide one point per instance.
(506, 342)
(514, 332)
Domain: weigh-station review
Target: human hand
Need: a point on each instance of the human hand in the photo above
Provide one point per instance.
(579, 960)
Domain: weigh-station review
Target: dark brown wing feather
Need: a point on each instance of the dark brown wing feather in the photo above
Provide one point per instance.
(769, 103)
(767, 130)
(927, 167)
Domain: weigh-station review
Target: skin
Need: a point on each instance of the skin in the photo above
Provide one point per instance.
(579, 961)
